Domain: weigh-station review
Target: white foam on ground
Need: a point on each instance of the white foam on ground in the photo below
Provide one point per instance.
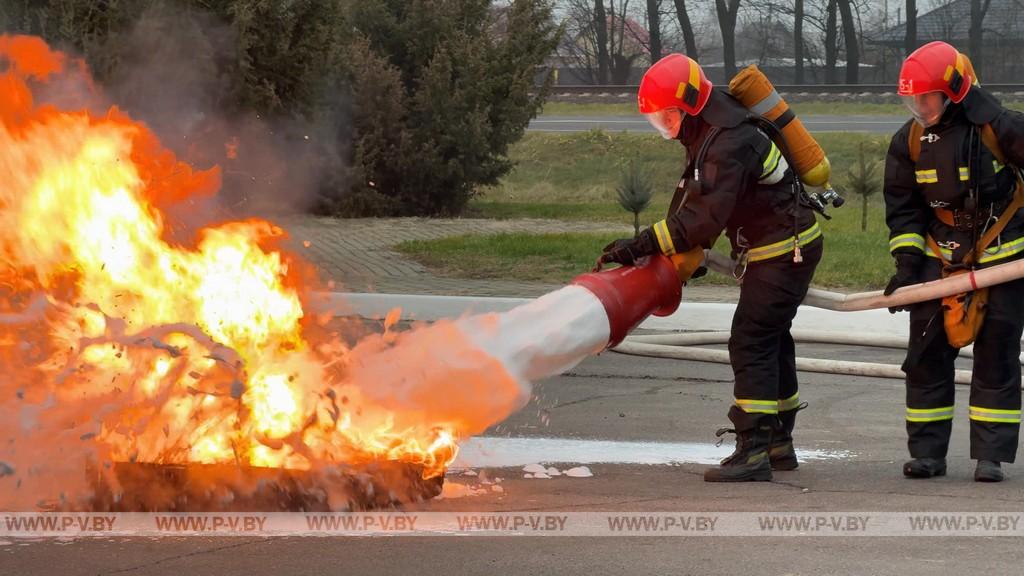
(579, 472)
(490, 452)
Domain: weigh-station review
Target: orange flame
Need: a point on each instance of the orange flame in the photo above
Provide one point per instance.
(121, 346)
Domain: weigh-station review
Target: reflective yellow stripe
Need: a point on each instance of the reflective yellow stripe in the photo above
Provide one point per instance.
(789, 403)
(965, 174)
(995, 415)
(665, 243)
(947, 254)
(927, 176)
(758, 406)
(991, 254)
(996, 166)
(906, 241)
(783, 246)
(1002, 251)
(929, 414)
(771, 162)
(1015, 420)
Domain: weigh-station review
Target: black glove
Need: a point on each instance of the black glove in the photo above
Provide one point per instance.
(627, 251)
(908, 272)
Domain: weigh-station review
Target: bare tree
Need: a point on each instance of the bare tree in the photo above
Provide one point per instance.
(851, 41)
(727, 11)
(654, 29)
(578, 46)
(831, 43)
(687, 28)
(974, 43)
(761, 33)
(798, 41)
(604, 49)
(910, 40)
(601, 30)
(622, 42)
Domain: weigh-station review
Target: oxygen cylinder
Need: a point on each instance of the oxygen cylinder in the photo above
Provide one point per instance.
(753, 89)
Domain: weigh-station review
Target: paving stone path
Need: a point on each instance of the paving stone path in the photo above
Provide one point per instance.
(358, 254)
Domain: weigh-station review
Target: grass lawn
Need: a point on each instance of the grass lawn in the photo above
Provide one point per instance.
(854, 259)
(573, 177)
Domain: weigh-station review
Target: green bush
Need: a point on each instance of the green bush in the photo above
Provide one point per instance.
(420, 98)
(439, 90)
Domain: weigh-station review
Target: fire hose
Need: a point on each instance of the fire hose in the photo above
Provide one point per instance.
(683, 346)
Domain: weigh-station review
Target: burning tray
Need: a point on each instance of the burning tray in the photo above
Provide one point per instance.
(220, 487)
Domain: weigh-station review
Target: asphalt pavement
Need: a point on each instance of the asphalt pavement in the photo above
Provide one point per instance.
(625, 398)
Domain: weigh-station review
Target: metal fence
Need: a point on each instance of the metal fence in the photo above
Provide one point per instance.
(787, 88)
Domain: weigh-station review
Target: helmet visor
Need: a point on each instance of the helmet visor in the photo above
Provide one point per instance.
(667, 122)
(927, 108)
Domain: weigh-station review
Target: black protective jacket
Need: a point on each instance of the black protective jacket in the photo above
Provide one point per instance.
(743, 186)
(951, 161)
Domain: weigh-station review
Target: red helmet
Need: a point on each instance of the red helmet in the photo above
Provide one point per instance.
(674, 84)
(936, 67)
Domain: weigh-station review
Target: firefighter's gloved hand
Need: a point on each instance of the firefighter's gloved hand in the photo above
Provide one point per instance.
(908, 272)
(980, 106)
(628, 250)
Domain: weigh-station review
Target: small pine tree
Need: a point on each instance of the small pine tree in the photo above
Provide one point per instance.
(862, 179)
(634, 192)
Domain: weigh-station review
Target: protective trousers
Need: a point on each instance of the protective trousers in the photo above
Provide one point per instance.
(761, 348)
(995, 399)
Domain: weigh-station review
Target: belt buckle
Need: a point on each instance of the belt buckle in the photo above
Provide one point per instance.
(963, 221)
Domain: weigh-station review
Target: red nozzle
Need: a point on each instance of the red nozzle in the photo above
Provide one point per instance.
(632, 293)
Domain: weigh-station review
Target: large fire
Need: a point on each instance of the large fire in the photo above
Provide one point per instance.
(119, 345)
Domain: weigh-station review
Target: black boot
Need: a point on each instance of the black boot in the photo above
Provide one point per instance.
(750, 459)
(781, 454)
(924, 467)
(988, 471)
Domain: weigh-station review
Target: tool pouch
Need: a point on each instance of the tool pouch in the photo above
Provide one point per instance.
(964, 313)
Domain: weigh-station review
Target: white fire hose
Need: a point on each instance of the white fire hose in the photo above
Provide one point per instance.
(682, 346)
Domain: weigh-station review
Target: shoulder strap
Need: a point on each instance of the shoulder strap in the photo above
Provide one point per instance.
(988, 138)
(914, 141)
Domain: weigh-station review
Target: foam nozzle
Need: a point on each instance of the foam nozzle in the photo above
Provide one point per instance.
(632, 293)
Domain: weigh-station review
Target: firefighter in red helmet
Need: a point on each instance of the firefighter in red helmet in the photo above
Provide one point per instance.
(952, 198)
(737, 180)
